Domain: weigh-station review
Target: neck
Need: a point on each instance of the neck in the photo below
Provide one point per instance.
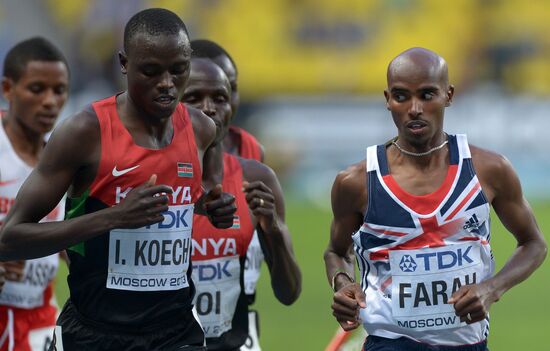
(421, 147)
(159, 131)
(420, 155)
(213, 165)
(26, 143)
(231, 143)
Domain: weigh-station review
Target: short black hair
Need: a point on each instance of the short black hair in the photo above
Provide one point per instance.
(33, 49)
(204, 48)
(155, 22)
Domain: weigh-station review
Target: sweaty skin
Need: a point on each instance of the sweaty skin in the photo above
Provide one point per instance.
(209, 89)
(157, 68)
(418, 93)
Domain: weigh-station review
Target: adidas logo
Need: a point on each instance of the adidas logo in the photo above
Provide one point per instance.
(473, 222)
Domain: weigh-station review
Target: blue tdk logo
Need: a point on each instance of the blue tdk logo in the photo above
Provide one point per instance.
(407, 264)
(174, 219)
(212, 271)
(446, 259)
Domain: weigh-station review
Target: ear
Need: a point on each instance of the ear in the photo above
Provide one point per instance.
(123, 60)
(450, 94)
(387, 96)
(7, 88)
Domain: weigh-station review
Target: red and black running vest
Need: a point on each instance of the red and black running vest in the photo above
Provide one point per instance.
(137, 279)
(249, 147)
(218, 268)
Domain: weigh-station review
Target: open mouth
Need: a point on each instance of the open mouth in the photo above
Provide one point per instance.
(416, 126)
(165, 99)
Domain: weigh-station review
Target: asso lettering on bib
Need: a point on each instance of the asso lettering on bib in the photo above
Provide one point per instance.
(423, 281)
(29, 292)
(35, 289)
(152, 258)
(414, 252)
(218, 289)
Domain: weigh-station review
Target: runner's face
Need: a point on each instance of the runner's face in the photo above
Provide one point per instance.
(36, 99)
(231, 72)
(417, 100)
(157, 69)
(209, 90)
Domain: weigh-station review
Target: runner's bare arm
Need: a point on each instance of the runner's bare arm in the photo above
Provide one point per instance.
(349, 200)
(70, 159)
(266, 201)
(501, 184)
(205, 132)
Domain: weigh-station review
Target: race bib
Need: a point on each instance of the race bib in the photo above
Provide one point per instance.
(424, 280)
(252, 265)
(152, 258)
(218, 290)
(29, 292)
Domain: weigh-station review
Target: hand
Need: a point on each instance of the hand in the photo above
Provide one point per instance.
(219, 206)
(472, 302)
(14, 270)
(261, 202)
(346, 305)
(143, 205)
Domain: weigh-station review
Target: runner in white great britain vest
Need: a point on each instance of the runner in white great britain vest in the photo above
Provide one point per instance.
(414, 252)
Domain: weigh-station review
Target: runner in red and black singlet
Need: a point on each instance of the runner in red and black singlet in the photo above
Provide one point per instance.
(218, 266)
(131, 165)
(35, 84)
(226, 327)
(119, 271)
(241, 143)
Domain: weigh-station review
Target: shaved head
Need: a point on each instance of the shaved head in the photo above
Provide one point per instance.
(418, 64)
(206, 70)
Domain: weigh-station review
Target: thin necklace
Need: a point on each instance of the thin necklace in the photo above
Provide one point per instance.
(419, 154)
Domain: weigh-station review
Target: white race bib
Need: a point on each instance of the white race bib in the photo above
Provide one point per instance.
(218, 290)
(29, 292)
(423, 280)
(253, 264)
(152, 258)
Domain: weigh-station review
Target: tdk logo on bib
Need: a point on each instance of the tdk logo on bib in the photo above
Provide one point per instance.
(211, 271)
(179, 219)
(445, 259)
(407, 264)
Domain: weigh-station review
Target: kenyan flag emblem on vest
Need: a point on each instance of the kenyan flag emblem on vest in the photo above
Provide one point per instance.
(236, 223)
(185, 170)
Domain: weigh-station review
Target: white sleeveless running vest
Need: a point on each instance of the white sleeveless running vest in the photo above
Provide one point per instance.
(414, 252)
(38, 274)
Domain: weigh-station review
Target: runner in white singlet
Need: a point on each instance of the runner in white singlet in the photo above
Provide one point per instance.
(35, 81)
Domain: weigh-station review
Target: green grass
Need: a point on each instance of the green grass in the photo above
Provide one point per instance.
(519, 321)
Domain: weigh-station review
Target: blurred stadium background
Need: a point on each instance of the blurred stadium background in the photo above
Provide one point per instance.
(311, 76)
